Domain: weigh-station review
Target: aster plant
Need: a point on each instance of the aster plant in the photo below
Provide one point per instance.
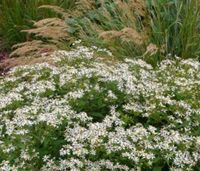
(84, 113)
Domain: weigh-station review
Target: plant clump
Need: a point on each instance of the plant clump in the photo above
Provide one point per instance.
(46, 36)
(121, 26)
(85, 114)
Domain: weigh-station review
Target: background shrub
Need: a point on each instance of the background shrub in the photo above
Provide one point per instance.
(127, 28)
(172, 26)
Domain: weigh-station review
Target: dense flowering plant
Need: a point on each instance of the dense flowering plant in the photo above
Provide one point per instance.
(85, 114)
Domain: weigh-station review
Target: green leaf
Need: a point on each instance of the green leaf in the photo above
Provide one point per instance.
(157, 168)
(71, 30)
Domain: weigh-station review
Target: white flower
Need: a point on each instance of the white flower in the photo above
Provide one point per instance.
(198, 140)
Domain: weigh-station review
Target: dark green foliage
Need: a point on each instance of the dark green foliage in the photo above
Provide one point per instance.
(97, 103)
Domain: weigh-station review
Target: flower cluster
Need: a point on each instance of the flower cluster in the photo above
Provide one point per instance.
(85, 114)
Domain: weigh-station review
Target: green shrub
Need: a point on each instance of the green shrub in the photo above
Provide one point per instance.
(86, 114)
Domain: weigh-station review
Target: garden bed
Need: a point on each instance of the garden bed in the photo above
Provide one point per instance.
(85, 114)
